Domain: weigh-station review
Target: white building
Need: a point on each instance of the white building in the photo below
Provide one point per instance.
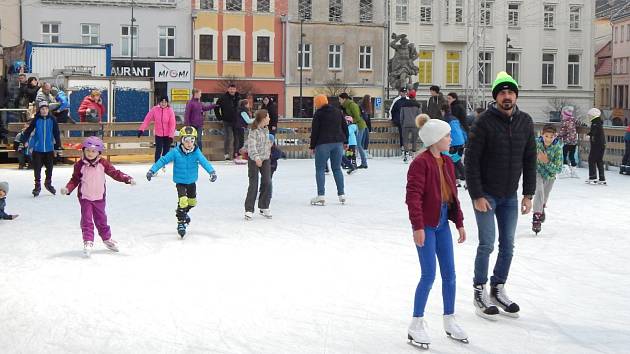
(462, 45)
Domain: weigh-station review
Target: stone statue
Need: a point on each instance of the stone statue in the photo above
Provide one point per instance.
(401, 66)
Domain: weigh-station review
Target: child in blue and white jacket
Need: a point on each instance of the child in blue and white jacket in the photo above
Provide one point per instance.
(458, 142)
(186, 158)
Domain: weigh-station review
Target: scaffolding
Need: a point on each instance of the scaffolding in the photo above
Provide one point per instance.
(475, 91)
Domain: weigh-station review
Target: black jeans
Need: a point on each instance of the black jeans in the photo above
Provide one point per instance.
(162, 146)
(568, 152)
(265, 185)
(43, 159)
(626, 156)
(596, 160)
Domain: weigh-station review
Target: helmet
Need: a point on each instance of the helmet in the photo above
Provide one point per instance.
(187, 131)
(93, 142)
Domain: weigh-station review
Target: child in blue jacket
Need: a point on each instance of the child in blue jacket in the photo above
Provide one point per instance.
(186, 158)
(458, 142)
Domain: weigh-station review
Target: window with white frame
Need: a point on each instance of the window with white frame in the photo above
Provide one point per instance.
(402, 10)
(616, 34)
(365, 57)
(305, 9)
(206, 4)
(233, 5)
(485, 14)
(447, 10)
(574, 17)
(234, 48)
(459, 11)
(89, 33)
(167, 41)
(206, 47)
(334, 56)
(263, 5)
(263, 48)
(50, 32)
(304, 56)
(485, 68)
(426, 7)
(425, 67)
(513, 64)
(128, 40)
(548, 68)
(621, 31)
(574, 70)
(335, 10)
(549, 15)
(366, 11)
(513, 14)
(453, 62)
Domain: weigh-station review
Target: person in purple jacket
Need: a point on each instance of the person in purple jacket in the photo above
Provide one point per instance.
(194, 114)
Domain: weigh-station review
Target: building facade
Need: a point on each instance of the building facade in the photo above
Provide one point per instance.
(603, 77)
(240, 41)
(343, 50)
(621, 67)
(462, 44)
(10, 30)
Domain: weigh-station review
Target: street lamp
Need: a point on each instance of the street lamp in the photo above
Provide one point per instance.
(301, 51)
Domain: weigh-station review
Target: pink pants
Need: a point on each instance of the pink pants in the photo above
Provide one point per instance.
(93, 213)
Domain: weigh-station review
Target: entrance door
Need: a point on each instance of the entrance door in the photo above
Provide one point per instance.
(159, 91)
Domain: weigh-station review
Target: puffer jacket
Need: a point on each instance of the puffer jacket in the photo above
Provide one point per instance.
(596, 134)
(550, 169)
(500, 148)
(258, 144)
(408, 112)
(89, 103)
(328, 126)
(458, 135)
(164, 121)
(185, 165)
(568, 130)
(46, 134)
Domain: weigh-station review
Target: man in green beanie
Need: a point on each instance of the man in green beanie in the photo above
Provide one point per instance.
(501, 147)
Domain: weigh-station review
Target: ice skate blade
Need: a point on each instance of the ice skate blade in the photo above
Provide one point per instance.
(480, 313)
(464, 340)
(413, 343)
(508, 314)
(318, 203)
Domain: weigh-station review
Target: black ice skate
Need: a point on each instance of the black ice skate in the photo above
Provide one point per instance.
(500, 298)
(49, 187)
(483, 307)
(181, 229)
(537, 222)
(37, 189)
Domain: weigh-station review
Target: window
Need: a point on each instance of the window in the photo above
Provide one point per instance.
(365, 11)
(334, 57)
(513, 65)
(628, 34)
(513, 14)
(485, 68)
(402, 9)
(574, 17)
(365, 57)
(548, 62)
(447, 10)
(304, 60)
(548, 16)
(89, 33)
(206, 51)
(459, 11)
(621, 37)
(234, 48)
(262, 53)
(305, 10)
(485, 14)
(50, 32)
(425, 11)
(167, 41)
(453, 60)
(233, 5)
(335, 10)
(126, 40)
(263, 5)
(425, 67)
(616, 34)
(206, 4)
(574, 70)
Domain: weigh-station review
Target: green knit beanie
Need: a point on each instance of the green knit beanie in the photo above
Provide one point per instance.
(502, 82)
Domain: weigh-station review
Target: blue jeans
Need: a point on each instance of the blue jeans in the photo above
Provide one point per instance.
(506, 212)
(438, 241)
(360, 134)
(323, 152)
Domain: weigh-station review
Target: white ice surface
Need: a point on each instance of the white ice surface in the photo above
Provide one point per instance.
(333, 279)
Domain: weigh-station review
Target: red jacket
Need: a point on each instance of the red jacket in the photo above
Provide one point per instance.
(424, 197)
(88, 103)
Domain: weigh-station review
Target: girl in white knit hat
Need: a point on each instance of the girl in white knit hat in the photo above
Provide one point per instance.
(432, 201)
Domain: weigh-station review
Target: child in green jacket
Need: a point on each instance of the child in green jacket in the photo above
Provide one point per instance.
(548, 165)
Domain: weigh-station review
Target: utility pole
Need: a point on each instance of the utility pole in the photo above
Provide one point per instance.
(300, 112)
(131, 36)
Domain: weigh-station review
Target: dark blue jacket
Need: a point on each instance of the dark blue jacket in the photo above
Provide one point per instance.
(45, 134)
(276, 154)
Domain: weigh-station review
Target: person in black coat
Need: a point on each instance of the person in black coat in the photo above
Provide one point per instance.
(458, 110)
(598, 148)
(227, 111)
(272, 109)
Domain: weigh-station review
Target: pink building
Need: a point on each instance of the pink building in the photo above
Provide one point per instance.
(621, 67)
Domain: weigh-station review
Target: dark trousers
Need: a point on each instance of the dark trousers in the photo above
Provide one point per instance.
(162, 146)
(43, 159)
(400, 134)
(568, 152)
(626, 156)
(265, 185)
(596, 162)
(186, 199)
(239, 139)
(199, 135)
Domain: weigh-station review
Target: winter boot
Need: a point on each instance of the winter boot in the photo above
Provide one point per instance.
(49, 187)
(453, 330)
(87, 248)
(417, 333)
(500, 298)
(483, 307)
(37, 189)
(111, 245)
(319, 200)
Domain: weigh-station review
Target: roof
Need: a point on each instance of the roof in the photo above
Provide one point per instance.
(604, 51)
(603, 67)
(618, 9)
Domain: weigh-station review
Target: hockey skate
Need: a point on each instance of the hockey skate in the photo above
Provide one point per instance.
(500, 298)
(537, 223)
(319, 200)
(417, 333)
(266, 213)
(87, 248)
(49, 187)
(453, 330)
(342, 199)
(249, 215)
(111, 245)
(483, 307)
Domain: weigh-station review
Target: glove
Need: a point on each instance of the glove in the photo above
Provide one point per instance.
(64, 191)
(213, 176)
(140, 132)
(132, 182)
(149, 175)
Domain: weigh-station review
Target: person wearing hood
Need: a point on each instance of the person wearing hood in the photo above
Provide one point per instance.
(569, 136)
(164, 125)
(193, 115)
(329, 135)
(597, 139)
(501, 147)
(227, 111)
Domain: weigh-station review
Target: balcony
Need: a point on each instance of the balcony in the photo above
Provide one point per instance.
(122, 3)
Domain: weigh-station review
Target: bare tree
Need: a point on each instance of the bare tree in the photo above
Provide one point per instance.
(334, 87)
(244, 87)
(555, 104)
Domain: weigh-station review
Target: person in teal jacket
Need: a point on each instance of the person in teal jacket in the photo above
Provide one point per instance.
(352, 109)
(186, 158)
(548, 165)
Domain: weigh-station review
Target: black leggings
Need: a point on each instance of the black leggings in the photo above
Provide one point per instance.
(162, 146)
(43, 159)
(596, 162)
(568, 152)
